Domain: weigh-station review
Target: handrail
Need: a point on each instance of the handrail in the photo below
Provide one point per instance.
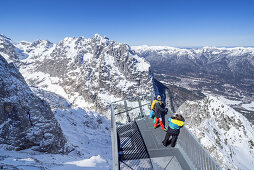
(131, 109)
(196, 152)
(146, 94)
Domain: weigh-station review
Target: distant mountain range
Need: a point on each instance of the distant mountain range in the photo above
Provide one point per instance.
(228, 64)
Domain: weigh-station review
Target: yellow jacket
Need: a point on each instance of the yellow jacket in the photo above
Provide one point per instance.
(153, 104)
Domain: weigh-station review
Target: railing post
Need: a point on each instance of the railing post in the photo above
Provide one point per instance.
(114, 140)
(141, 114)
(126, 110)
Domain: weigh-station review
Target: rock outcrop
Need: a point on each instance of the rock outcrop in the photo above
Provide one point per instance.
(25, 120)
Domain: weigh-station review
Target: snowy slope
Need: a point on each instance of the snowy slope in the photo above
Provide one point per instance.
(87, 132)
(226, 134)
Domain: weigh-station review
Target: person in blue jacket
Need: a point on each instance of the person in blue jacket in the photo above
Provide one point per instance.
(175, 123)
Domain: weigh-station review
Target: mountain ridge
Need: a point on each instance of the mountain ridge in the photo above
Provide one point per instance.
(227, 63)
(94, 68)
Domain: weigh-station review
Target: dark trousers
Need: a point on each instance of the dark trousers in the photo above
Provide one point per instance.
(163, 119)
(171, 132)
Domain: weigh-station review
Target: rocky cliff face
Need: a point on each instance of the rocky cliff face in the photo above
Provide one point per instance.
(225, 133)
(89, 71)
(25, 120)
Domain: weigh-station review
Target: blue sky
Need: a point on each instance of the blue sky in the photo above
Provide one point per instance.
(179, 23)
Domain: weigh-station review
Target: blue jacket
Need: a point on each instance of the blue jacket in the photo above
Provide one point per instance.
(175, 124)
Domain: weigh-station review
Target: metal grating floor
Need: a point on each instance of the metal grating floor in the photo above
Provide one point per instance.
(133, 153)
(141, 148)
(167, 157)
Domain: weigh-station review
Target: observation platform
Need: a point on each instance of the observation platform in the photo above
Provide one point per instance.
(137, 145)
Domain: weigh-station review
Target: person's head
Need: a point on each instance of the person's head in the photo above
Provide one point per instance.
(158, 97)
(179, 117)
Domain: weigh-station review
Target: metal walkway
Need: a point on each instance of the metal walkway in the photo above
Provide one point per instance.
(137, 145)
(162, 157)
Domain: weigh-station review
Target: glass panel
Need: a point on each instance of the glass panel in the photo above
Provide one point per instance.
(120, 114)
(133, 109)
(146, 102)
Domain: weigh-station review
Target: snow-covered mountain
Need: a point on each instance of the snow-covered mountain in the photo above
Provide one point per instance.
(226, 63)
(88, 72)
(226, 134)
(74, 76)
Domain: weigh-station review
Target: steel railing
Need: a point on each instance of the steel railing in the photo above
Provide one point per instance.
(195, 152)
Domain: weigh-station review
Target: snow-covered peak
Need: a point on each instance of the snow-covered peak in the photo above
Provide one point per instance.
(23, 42)
(8, 49)
(36, 44)
(4, 37)
(68, 39)
(82, 41)
(4, 40)
(101, 40)
(97, 36)
(45, 43)
(33, 50)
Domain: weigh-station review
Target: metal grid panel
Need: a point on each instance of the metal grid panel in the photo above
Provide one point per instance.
(133, 152)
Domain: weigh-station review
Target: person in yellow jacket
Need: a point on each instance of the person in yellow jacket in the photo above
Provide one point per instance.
(153, 106)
